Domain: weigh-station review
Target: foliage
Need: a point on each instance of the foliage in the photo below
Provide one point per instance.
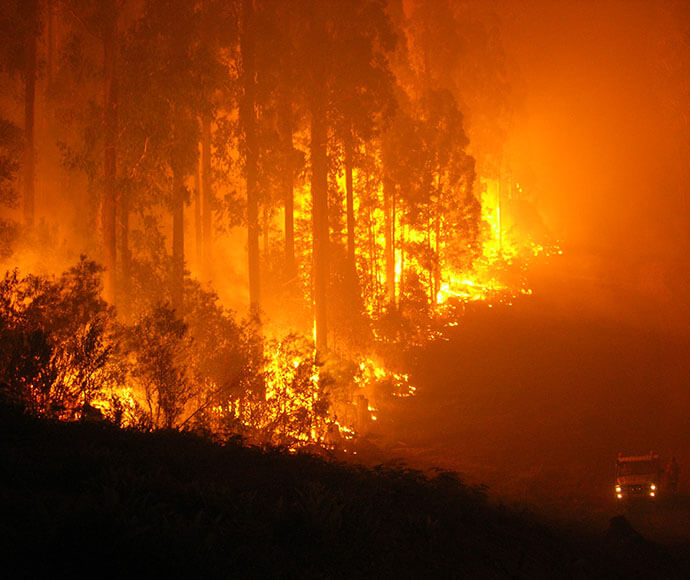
(10, 151)
(55, 336)
(85, 495)
(63, 350)
(10, 147)
(160, 345)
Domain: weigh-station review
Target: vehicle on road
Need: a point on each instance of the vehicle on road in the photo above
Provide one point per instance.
(638, 477)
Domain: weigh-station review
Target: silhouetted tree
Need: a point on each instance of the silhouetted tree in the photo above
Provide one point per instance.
(341, 45)
(21, 23)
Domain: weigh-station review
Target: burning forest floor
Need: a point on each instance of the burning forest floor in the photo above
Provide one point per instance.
(88, 498)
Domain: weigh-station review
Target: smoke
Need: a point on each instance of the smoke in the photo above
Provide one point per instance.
(539, 398)
(600, 137)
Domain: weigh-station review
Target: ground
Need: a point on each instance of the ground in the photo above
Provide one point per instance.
(536, 400)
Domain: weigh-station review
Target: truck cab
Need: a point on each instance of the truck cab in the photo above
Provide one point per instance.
(638, 477)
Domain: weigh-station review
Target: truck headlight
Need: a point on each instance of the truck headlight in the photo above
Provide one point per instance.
(652, 487)
(618, 489)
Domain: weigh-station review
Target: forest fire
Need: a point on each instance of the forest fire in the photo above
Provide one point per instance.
(419, 258)
(363, 211)
(274, 203)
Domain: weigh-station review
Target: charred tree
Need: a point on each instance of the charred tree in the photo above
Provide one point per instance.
(320, 230)
(350, 201)
(206, 193)
(123, 237)
(30, 67)
(288, 186)
(177, 283)
(110, 149)
(198, 235)
(51, 44)
(437, 239)
(248, 123)
(389, 234)
(266, 227)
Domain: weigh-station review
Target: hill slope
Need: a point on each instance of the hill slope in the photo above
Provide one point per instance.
(90, 499)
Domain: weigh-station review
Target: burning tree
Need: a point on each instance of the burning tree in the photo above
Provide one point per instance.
(325, 136)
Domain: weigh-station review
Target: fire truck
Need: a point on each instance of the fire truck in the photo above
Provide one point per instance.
(638, 477)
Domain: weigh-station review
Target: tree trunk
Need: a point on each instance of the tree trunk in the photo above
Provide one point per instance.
(372, 256)
(266, 228)
(320, 230)
(437, 263)
(349, 191)
(248, 122)
(207, 195)
(177, 283)
(29, 116)
(198, 237)
(125, 258)
(389, 234)
(52, 40)
(437, 238)
(403, 242)
(110, 153)
(288, 185)
(430, 269)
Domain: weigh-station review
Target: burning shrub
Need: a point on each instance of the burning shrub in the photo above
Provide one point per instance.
(225, 359)
(55, 338)
(291, 407)
(159, 346)
(183, 367)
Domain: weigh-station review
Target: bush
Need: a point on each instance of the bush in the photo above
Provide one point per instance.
(55, 338)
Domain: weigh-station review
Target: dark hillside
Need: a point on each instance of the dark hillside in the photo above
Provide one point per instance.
(537, 404)
(83, 499)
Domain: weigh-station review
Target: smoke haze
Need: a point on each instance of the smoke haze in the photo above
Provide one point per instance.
(601, 136)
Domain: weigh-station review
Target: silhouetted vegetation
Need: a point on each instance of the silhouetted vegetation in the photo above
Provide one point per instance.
(88, 498)
(64, 350)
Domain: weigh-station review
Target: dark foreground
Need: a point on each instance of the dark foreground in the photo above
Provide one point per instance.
(92, 500)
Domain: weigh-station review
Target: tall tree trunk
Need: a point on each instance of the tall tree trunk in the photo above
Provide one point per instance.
(430, 269)
(198, 237)
(29, 114)
(248, 121)
(125, 257)
(110, 157)
(207, 195)
(437, 262)
(52, 40)
(320, 231)
(288, 186)
(388, 225)
(350, 201)
(437, 238)
(266, 228)
(403, 243)
(177, 283)
(373, 259)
